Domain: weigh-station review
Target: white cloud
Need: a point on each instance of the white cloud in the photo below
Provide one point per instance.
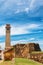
(17, 30)
(31, 39)
(14, 30)
(31, 4)
(35, 4)
(27, 10)
(9, 6)
(23, 29)
(2, 30)
(2, 45)
(32, 26)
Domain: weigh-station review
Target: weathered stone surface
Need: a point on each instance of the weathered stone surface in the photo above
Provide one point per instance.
(9, 51)
(9, 54)
(7, 41)
(37, 57)
(23, 50)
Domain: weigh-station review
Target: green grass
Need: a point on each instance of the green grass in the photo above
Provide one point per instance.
(20, 61)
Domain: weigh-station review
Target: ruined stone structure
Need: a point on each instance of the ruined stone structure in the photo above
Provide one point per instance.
(25, 51)
(22, 50)
(37, 56)
(9, 54)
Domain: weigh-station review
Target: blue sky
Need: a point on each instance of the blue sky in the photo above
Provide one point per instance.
(25, 18)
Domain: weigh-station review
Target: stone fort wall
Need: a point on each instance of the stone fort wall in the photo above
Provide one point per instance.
(22, 50)
(37, 57)
(25, 51)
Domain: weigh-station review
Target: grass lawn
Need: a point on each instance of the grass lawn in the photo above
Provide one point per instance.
(20, 61)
